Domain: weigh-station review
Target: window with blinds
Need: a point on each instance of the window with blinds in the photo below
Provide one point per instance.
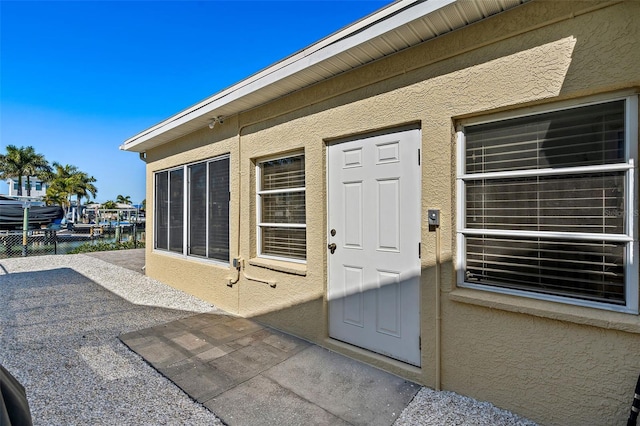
(547, 204)
(206, 201)
(281, 208)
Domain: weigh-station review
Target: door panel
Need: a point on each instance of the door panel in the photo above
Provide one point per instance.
(374, 273)
(353, 215)
(389, 304)
(353, 306)
(388, 209)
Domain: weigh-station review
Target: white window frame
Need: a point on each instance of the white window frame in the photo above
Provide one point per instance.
(185, 213)
(630, 236)
(260, 192)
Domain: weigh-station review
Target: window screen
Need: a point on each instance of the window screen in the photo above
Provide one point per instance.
(176, 210)
(218, 214)
(207, 205)
(168, 224)
(161, 223)
(198, 209)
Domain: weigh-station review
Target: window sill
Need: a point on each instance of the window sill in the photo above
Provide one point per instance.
(203, 260)
(280, 266)
(629, 323)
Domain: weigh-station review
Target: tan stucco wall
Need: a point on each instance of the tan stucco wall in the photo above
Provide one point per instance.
(203, 279)
(556, 364)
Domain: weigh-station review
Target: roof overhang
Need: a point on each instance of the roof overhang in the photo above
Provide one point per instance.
(402, 24)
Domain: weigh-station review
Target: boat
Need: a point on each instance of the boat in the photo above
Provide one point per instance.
(40, 215)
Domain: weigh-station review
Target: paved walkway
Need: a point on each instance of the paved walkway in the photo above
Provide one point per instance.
(247, 373)
(130, 259)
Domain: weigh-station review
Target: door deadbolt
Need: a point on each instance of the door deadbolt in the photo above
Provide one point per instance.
(333, 232)
(332, 247)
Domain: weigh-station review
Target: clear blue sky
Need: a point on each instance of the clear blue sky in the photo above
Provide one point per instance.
(77, 78)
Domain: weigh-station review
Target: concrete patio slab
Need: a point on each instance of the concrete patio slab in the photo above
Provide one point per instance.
(132, 259)
(247, 373)
(262, 401)
(353, 391)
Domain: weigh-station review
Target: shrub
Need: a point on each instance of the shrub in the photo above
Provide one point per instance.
(102, 246)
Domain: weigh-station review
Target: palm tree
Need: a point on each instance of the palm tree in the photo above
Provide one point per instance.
(83, 186)
(69, 181)
(62, 184)
(55, 197)
(123, 199)
(23, 161)
(61, 173)
(109, 205)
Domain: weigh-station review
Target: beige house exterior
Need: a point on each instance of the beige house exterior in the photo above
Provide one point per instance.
(557, 342)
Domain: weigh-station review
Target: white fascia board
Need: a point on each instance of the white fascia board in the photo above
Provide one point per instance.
(366, 29)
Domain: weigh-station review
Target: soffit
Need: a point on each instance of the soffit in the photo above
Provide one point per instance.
(401, 25)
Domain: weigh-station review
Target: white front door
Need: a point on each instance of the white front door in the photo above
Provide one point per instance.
(374, 222)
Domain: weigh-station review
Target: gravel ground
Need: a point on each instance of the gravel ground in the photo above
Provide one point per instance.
(450, 409)
(59, 321)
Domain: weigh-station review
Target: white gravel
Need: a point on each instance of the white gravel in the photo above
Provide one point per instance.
(450, 409)
(59, 321)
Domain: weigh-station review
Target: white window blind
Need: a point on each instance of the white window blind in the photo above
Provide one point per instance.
(545, 202)
(281, 208)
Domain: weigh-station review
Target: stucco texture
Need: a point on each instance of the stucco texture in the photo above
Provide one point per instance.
(553, 368)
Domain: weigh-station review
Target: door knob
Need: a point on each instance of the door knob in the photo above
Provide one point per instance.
(332, 247)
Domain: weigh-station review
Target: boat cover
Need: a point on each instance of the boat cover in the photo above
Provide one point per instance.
(11, 215)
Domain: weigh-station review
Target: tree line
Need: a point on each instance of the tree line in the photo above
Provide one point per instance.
(65, 181)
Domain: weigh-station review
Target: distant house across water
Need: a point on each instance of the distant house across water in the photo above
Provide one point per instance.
(38, 187)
